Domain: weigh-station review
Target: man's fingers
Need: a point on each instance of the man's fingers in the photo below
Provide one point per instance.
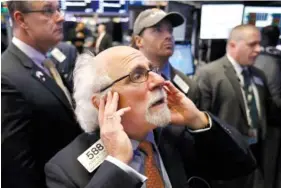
(171, 88)
(108, 101)
(122, 111)
(114, 102)
(101, 111)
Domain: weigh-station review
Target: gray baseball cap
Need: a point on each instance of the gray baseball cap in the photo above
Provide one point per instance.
(151, 17)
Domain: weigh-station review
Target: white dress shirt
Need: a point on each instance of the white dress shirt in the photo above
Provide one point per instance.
(99, 41)
(238, 69)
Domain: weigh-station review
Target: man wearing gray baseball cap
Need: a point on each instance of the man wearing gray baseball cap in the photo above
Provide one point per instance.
(153, 36)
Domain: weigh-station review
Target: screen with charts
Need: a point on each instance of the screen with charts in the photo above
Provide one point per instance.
(262, 16)
(182, 59)
(101, 6)
(217, 20)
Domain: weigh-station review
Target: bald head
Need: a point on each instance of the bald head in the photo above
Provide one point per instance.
(242, 32)
(118, 60)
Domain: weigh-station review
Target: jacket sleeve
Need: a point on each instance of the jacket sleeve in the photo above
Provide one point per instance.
(19, 165)
(222, 153)
(108, 175)
(203, 82)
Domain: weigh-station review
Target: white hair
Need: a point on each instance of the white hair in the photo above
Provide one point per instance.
(89, 78)
(161, 117)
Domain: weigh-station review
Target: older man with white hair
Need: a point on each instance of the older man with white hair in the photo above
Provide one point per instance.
(124, 106)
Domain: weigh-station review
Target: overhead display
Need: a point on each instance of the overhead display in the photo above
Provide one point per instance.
(101, 6)
(217, 20)
(182, 59)
(262, 16)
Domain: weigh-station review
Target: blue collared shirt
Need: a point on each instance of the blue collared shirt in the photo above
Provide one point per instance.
(167, 71)
(36, 56)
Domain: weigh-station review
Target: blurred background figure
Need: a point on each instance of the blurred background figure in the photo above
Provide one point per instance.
(78, 36)
(104, 40)
(269, 61)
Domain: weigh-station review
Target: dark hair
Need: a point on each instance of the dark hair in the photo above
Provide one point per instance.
(270, 35)
(17, 6)
(133, 42)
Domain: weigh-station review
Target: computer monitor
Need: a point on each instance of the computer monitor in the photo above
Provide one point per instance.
(182, 59)
(262, 16)
(217, 20)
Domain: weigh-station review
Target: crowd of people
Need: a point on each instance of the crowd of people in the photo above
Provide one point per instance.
(125, 117)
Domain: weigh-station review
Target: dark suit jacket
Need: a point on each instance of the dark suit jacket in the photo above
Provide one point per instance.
(37, 120)
(193, 92)
(66, 67)
(270, 64)
(216, 153)
(106, 42)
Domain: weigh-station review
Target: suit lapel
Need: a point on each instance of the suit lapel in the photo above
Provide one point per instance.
(234, 80)
(40, 75)
(50, 84)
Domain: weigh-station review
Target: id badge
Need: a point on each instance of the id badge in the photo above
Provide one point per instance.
(253, 136)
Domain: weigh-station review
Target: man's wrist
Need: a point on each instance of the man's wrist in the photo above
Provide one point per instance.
(201, 122)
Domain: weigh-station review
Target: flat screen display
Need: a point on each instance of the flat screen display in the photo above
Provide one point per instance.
(101, 6)
(182, 59)
(217, 20)
(262, 16)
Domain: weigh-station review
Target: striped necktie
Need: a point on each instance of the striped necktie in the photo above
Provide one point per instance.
(56, 76)
(250, 98)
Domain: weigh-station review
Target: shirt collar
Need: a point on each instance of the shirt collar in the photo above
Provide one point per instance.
(167, 70)
(149, 138)
(102, 34)
(238, 68)
(32, 53)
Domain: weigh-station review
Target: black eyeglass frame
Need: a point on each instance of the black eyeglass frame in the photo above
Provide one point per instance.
(156, 70)
(48, 10)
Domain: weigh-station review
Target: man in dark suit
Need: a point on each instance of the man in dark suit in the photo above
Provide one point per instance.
(37, 116)
(104, 40)
(235, 91)
(128, 107)
(269, 61)
(64, 56)
(153, 36)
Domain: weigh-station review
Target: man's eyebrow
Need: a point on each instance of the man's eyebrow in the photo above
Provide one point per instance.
(48, 4)
(138, 67)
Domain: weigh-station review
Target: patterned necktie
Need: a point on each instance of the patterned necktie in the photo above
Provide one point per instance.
(151, 171)
(56, 76)
(250, 98)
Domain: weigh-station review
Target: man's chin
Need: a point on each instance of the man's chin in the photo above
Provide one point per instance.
(159, 118)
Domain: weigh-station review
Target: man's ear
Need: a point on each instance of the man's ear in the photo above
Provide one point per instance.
(138, 41)
(96, 102)
(19, 20)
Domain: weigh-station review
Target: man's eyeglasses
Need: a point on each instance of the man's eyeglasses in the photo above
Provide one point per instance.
(50, 12)
(138, 75)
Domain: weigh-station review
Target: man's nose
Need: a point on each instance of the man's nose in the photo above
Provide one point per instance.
(155, 80)
(60, 17)
(258, 48)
